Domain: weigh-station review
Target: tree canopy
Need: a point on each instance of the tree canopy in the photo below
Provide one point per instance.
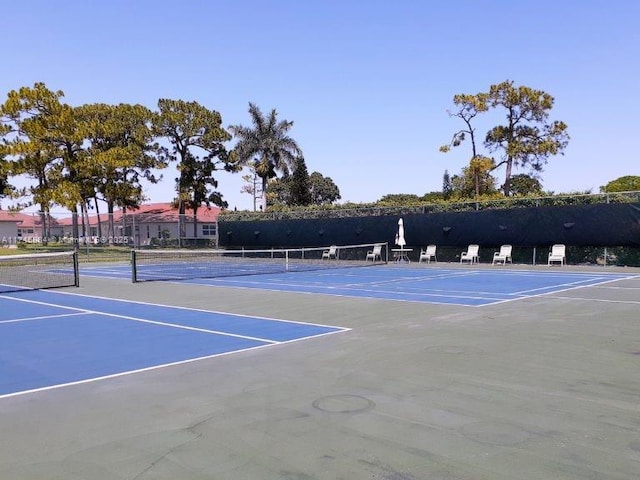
(475, 180)
(197, 139)
(628, 183)
(267, 145)
(527, 139)
(300, 184)
(523, 184)
(321, 190)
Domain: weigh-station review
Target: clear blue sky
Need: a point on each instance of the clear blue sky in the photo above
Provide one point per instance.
(367, 83)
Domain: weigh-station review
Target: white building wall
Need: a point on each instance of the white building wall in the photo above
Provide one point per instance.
(8, 233)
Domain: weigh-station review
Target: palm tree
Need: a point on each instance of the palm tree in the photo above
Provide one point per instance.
(267, 144)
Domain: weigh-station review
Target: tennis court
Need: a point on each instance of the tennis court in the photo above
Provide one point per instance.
(243, 377)
(418, 283)
(50, 339)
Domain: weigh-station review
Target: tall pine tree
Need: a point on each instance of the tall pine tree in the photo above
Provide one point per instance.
(300, 184)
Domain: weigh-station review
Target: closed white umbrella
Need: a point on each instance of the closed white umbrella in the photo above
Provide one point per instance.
(400, 238)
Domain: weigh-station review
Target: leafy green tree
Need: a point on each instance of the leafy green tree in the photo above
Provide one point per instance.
(279, 191)
(5, 187)
(197, 139)
(468, 107)
(251, 185)
(47, 143)
(323, 189)
(475, 180)
(523, 184)
(528, 138)
(121, 154)
(300, 184)
(268, 140)
(399, 199)
(628, 183)
(432, 197)
(21, 155)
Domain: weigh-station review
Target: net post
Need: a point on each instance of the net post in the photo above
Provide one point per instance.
(134, 273)
(76, 270)
(286, 259)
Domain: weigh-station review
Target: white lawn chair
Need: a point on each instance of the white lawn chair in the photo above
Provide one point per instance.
(426, 254)
(374, 254)
(332, 253)
(557, 254)
(471, 255)
(503, 256)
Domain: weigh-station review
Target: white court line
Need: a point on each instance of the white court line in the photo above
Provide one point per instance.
(620, 288)
(420, 279)
(602, 300)
(18, 299)
(157, 367)
(130, 372)
(27, 319)
(191, 309)
(242, 282)
(164, 324)
(266, 343)
(358, 287)
(576, 287)
(599, 279)
(468, 295)
(374, 297)
(568, 284)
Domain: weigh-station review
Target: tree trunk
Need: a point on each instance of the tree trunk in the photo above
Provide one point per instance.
(95, 199)
(264, 194)
(181, 223)
(75, 227)
(87, 232)
(506, 188)
(195, 221)
(110, 225)
(43, 223)
(124, 226)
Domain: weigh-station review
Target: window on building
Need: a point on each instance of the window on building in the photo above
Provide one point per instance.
(208, 229)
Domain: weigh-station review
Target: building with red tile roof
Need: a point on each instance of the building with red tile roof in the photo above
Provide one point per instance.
(9, 227)
(146, 225)
(150, 224)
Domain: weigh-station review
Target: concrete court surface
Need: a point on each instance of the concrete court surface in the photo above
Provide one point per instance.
(542, 388)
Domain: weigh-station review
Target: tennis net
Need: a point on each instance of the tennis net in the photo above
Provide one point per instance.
(38, 271)
(150, 265)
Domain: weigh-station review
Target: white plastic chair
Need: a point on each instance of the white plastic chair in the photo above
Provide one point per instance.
(374, 254)
(331, 253)
(471, 255)
(426, 254)
(503, 256)
(557, 254)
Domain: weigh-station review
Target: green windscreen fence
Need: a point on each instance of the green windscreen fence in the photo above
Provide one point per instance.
(600, 225)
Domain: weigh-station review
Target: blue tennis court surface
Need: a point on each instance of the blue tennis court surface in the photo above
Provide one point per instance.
(49, 339)
(448, 286)
(428, 284)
